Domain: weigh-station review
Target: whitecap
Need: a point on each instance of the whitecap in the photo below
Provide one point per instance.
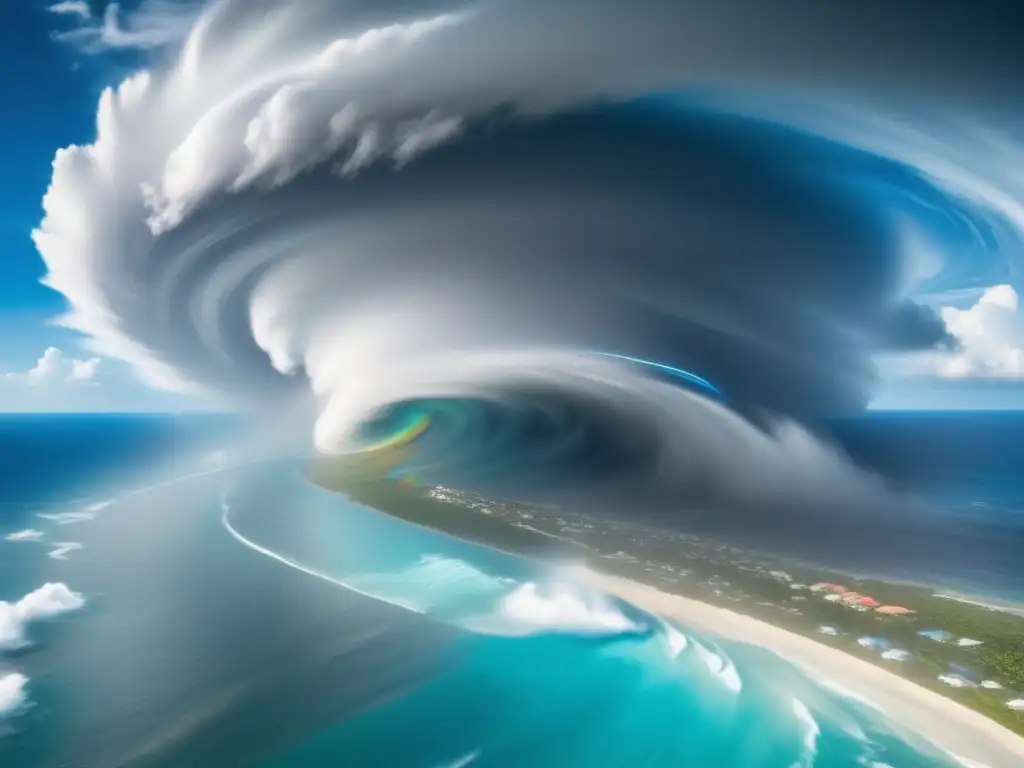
(720, 665)
(811, 732)
(676, 641)
(558, 608)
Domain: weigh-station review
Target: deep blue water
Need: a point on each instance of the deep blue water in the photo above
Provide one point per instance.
(957, 460)
(242, 617)
(48, 458)
(968, 469)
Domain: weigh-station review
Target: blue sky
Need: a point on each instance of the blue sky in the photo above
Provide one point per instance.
(54, 87)
(55, 66)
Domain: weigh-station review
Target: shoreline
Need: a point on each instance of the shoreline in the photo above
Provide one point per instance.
(989, 604)
(964, 733)
(968, 735)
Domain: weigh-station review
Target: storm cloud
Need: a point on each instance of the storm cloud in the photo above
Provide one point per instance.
(383, 203)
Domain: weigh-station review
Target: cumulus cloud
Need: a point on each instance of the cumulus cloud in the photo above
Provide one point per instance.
(13, 696)
(153, 24)
(62, 382)
(986, 334)
(990, 335)
(56, 367)
(29, 534)
(47, 602)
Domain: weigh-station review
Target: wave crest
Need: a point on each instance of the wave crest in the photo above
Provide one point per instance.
(557, 608)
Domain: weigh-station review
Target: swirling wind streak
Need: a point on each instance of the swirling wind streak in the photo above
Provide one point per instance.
(450, 206)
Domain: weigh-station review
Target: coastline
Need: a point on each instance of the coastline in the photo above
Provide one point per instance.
(963, 732)
(967, 734)
(989, 604)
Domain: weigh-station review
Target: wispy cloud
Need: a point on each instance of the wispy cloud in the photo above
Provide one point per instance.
(153, 24)
(63, 548)
(72, 8)
(67, 518)
(30, 534)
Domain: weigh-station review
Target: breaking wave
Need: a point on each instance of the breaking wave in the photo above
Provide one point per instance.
(540, 648)
(557, 608)
(454, 591)
(435, 585)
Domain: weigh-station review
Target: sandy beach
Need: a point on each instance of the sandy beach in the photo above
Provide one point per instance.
(966, 734)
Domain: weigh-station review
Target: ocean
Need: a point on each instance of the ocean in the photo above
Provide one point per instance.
(968, 468)
(237, 616)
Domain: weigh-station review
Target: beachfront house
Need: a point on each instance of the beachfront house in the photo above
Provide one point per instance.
(893, 610)
(959, 681)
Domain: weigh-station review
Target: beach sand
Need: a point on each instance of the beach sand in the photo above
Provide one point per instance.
(963, 732)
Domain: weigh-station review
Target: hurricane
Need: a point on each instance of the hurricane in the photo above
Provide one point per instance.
(628, 256)
(626, 266)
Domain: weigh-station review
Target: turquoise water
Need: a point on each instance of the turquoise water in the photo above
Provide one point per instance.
(552, 673)
(246, 618)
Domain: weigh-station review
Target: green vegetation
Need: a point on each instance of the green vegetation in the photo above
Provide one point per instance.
(415, 506)
(766, 588)
(1008, 664)
(737, 585)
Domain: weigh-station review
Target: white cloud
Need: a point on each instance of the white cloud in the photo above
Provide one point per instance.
(59, 382)
(29, 534)
(48, 601)
(84, 370)
(63, 548)
(154, 24)
(55, 367)
(424, 134)
(258, 98)
(67, 518)
(12, 693)
(72, 8)
(991, 337)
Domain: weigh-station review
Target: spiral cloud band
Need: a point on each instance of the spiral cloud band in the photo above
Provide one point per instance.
(513, 206)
